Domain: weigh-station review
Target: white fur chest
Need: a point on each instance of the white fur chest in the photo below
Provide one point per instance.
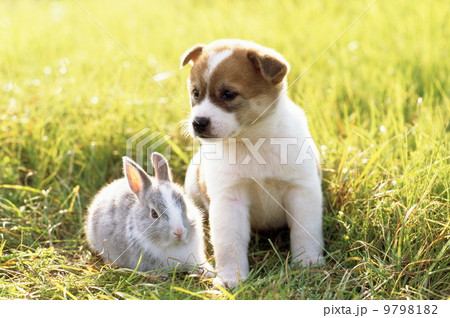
(289, 154)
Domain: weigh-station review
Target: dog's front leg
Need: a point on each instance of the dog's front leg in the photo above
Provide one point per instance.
(230, 235)
(304, 209)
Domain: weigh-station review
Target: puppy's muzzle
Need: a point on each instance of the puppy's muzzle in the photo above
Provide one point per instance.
(201, 125)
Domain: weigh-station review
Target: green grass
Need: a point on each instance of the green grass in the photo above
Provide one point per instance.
(378, 103)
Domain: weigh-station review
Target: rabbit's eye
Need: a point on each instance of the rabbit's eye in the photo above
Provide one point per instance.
(154, 214)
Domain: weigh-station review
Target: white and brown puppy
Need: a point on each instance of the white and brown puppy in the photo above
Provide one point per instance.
(262, 174)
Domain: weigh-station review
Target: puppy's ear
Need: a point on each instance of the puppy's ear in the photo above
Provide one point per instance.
(192, 54)
(273, 66)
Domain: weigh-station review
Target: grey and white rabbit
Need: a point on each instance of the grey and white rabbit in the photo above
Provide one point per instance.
(147, 220)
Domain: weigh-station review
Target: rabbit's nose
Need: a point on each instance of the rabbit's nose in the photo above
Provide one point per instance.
(178, 233)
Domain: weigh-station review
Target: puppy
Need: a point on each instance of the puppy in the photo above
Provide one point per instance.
(257, 167)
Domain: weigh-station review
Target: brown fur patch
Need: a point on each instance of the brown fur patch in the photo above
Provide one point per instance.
(192, 54)
(272, 68)
(197, 79)
(202, 183)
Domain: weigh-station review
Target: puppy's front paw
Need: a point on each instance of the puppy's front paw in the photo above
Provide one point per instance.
(206, 271)
(305, 260)
(226, 282)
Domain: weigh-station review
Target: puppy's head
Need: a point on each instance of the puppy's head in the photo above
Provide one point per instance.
(232, 82)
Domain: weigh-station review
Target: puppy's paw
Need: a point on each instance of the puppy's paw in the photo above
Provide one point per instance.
(206, 271)
(226, 283)
(208, 274)
(305, 260)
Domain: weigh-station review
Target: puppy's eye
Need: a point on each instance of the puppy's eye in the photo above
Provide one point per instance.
(228, 95)
(195, 93)
(154, 214)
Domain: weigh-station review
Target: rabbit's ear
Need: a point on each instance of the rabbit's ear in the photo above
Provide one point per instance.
(161, 166)
(138, 179)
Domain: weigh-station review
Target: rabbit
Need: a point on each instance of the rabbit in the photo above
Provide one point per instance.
(147, 222)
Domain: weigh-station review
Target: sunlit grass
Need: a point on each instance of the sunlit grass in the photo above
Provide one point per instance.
(377, 103)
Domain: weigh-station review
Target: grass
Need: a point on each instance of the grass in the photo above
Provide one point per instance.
(378, 104)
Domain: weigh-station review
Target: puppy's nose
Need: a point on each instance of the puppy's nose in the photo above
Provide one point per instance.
(200, 124)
